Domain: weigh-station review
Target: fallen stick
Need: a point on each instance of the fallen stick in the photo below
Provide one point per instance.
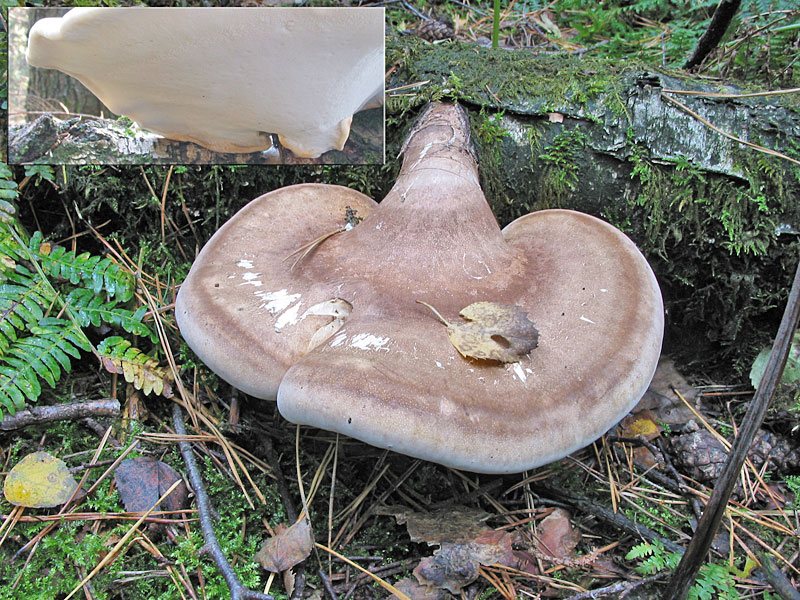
(108, 407)
(238, 591)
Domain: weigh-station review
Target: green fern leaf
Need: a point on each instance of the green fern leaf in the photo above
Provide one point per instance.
(48, 295)
(83, 269)
(92, 310)
(10, 396)
(23, 377)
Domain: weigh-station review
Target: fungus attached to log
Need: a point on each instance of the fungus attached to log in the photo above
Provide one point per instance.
(224, 78)
(386, 370)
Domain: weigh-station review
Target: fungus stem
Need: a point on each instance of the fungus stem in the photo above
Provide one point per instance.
(436, 312)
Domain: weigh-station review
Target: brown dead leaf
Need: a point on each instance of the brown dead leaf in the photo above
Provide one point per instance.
(557, 537)
(141, 481)
(417, 591)
(456, 524)
(661, 398)
(492, 332)
(288, 547)
(454, 566)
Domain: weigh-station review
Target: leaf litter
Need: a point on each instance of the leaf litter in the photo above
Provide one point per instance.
(492, 331)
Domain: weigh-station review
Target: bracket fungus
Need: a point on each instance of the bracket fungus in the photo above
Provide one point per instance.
(343, 342)
(224, 78)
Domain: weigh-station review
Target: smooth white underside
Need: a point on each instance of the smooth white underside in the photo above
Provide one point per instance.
(224, 77)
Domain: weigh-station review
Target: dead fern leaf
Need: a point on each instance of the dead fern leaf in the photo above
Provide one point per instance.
(138, 369)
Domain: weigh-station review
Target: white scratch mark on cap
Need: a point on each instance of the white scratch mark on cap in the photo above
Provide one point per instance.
(288, 317)
(251, 279)
(587, 319)
(275, 302)
(479, 262)
(367, 341)
(338, 340)
(519, 372)
(245, 264)
(438, 364)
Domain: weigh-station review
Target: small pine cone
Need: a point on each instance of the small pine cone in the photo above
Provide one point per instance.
(433, 31)
(702, 456)
(780, 452)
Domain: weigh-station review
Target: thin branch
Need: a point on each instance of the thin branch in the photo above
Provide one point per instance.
(722, 18)
(238, 591)
(618, 589)
(776, 578)
(37, 415)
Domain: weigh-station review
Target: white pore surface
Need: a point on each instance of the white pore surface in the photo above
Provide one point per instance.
(224, 77)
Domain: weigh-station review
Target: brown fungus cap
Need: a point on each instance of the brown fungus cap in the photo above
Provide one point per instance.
(382, 369)
(226, 77)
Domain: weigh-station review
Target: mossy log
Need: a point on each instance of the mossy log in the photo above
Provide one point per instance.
(719, 221)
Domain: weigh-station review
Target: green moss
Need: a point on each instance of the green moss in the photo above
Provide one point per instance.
(500, 78)
(561, 169)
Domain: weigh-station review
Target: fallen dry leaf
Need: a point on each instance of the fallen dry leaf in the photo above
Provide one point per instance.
(417, 591)
(557, 537)
(641, 423)
(39, 480)
(141, 481)
(290, 545)
(455, 524)
(492, 332)
(454, 566)
(661, 398)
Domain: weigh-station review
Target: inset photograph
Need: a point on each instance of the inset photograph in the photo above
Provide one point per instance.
(147, 85)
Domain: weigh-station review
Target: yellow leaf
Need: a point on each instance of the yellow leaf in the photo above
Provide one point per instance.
(492, 332)
(641, 424)
(39, 480)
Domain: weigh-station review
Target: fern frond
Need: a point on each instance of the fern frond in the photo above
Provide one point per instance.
(91, 309)
(95, 273)
(47, 350)
(48, 295)
(139, 369)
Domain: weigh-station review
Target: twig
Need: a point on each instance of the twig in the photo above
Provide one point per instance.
(37, 415)
(687, 569)
(622, 588)
(615, 519)
(238, 591)
(288, 506)
(779, 582)
(327, 583)
(722, 18)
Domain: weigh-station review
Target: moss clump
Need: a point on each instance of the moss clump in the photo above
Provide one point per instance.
(527, 83)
